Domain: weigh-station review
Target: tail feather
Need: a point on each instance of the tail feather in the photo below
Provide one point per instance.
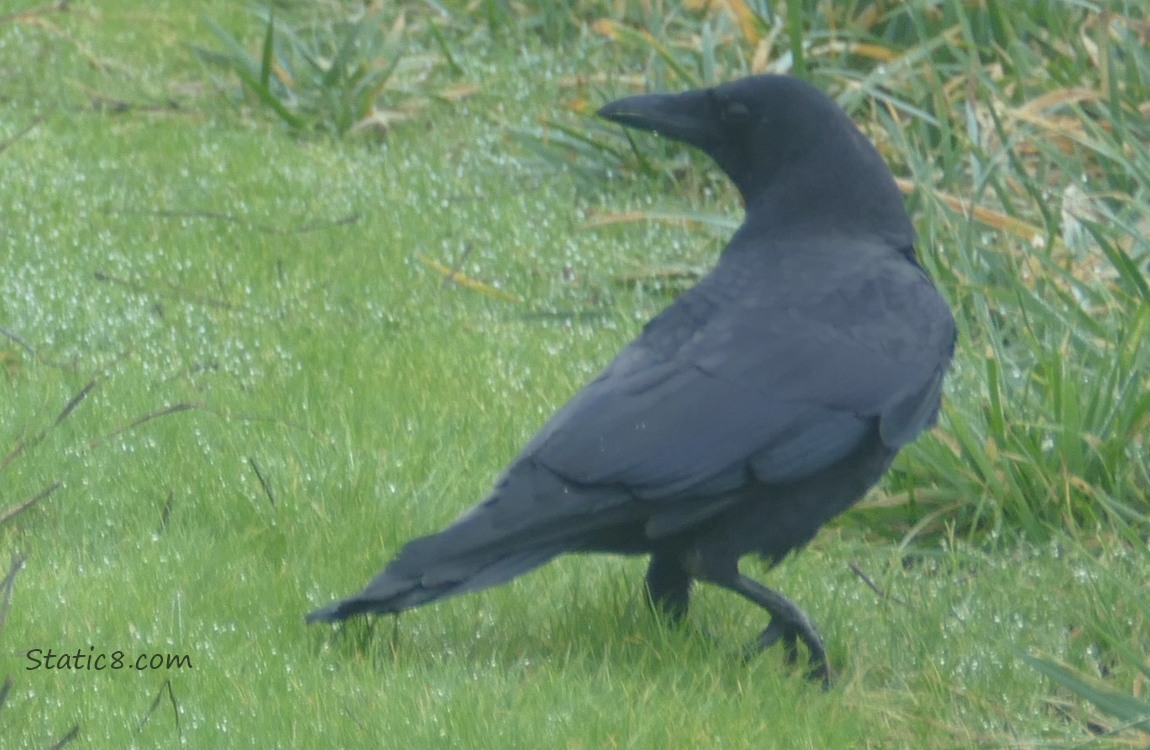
(394, 591)
(532, 516)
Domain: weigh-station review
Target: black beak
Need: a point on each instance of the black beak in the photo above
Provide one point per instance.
(688, 117)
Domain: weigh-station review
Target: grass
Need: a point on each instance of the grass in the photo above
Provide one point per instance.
(242, 361)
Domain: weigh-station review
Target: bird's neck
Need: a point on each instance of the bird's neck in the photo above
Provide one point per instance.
(802, 207)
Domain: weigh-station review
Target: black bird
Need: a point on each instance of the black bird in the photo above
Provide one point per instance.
(763, 402)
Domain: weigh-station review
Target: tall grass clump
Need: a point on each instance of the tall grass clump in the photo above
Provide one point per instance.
(334, 73)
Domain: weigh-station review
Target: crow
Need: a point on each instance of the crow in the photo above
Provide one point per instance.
(761, 403)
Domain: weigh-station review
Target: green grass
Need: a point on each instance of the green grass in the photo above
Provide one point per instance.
(234, 378)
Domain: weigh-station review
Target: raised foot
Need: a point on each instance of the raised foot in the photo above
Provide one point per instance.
(790, 634)
(788, 623)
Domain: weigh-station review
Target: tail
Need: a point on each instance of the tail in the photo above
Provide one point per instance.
(406, 583)
(532, 516)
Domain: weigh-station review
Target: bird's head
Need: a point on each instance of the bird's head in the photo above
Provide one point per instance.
(789, 148)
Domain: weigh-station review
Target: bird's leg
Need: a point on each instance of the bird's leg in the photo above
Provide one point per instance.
(788, 622)
(668, 587)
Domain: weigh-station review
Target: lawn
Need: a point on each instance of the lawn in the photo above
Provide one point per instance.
(262, 322)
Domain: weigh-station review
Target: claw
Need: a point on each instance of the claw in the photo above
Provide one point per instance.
(788, 624)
